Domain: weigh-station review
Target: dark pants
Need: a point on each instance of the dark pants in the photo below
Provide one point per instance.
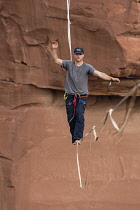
(75, 116)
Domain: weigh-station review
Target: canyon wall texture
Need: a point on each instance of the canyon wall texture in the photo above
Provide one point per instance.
(37, 162)
(108, 31)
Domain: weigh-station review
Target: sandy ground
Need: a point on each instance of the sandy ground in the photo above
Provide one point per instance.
(45, 173)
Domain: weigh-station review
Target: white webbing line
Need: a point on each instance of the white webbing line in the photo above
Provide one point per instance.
(94, 132)
(133, 90)
(77, 157)
(112, 120)
(78, 166)
(69, 32)
(115, 124)
(138, 11)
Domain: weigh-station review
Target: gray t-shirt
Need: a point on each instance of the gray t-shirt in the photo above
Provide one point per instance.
(77, 77)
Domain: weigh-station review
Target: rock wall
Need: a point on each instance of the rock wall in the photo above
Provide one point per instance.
(32, 114)
(108, 31)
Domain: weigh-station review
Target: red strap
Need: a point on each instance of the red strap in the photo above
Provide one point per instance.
(74, 104)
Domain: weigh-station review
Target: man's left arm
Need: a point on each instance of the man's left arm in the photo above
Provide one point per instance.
(105, 76)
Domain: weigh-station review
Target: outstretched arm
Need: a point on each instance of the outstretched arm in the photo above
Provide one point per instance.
(105, 76)
(53, 52)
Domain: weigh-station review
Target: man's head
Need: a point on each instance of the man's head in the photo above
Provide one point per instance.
(78, 54)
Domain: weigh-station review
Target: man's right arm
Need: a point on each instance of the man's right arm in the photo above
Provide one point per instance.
(54, 53)
(55, 57)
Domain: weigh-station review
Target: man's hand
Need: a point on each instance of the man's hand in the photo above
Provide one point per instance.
(54, 44)
(52, 48)
(116, 80)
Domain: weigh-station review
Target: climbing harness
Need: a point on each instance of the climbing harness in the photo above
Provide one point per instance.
(74, 102)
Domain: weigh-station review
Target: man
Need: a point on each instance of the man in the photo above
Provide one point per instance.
(76, 88)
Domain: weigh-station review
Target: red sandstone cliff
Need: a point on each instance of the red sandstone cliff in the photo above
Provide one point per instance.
(108, 31)
(36, 157)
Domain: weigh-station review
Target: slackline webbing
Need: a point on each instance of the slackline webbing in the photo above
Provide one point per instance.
(69, 31)
(133, 93)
